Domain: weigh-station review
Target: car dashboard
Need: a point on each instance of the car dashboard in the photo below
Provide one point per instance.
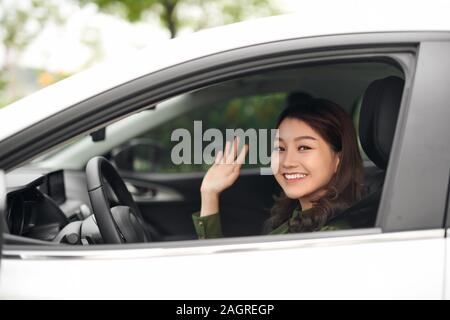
(37, 208)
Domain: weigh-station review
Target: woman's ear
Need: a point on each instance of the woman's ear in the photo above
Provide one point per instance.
(338, 160)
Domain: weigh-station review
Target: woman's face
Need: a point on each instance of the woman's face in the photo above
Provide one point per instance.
(302, 161)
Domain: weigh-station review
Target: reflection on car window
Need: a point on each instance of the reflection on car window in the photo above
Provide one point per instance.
(356, 112)
(256, 112)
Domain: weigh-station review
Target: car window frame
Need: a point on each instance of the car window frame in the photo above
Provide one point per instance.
(3, 210)
(447, 208)
(413, 134)
(348, 47)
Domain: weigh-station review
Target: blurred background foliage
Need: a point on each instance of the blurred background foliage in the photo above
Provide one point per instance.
(195, 14)
(21, 22)
(19, 25)
(251, 112)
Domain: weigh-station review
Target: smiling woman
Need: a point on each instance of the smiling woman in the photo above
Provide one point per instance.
(315, 160)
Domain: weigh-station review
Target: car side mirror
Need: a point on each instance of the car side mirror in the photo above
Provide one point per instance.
(138, 155)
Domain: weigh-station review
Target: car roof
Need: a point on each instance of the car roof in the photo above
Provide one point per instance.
(317, 19)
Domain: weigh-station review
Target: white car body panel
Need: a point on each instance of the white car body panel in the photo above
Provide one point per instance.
(339, 18)
(406, 265)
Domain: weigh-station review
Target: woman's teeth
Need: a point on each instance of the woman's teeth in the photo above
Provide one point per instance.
(294, 176)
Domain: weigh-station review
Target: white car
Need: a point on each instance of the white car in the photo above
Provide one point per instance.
(388, 69)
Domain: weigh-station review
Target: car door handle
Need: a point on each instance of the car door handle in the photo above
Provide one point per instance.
(153, 193)
(141, 192)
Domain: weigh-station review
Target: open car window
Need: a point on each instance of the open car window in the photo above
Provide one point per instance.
(166, 190)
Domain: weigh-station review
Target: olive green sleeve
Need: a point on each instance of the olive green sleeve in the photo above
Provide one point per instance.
(329, 228)
(341, 225)
(282, 229)
(207, 227)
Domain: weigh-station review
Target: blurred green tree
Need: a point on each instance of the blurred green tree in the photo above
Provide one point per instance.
(20, 23)
(244, 112)
(194, 14)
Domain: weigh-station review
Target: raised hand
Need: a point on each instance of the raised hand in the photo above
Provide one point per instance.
(221, 175)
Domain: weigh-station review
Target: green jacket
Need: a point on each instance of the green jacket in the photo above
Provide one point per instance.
(210, 226)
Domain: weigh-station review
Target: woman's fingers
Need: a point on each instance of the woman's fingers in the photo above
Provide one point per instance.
(232, 151)
(226, 152)
(240, 159)
(230, 155)
(219, 157)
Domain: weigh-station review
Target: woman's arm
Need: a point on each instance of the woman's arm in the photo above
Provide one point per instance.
(210, 203)
(220, 176)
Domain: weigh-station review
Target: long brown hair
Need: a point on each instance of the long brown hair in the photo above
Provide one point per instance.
(335, 126)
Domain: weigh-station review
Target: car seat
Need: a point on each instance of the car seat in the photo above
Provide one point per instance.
(378, 119)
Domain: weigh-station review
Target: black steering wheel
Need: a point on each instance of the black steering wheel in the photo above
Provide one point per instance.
(120, 224)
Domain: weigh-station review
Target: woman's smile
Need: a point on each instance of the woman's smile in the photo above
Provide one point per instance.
(293, 177)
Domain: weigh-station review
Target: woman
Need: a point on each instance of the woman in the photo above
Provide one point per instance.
(315, 160)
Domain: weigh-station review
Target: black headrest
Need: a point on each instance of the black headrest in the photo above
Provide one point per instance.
(378, 118)
(297, 97)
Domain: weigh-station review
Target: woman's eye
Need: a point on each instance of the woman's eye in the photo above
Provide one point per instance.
(278, 149)
(303, 148)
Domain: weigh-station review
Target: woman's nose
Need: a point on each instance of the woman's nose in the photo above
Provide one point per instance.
(289, 160)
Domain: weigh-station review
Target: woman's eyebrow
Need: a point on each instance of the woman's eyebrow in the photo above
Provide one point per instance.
(304, 137)
(298, 138)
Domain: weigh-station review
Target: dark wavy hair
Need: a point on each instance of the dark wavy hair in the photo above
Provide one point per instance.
(335, 126)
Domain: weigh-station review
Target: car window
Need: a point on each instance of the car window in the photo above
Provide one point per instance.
(250, 112)
(263, 198)
(255, 103)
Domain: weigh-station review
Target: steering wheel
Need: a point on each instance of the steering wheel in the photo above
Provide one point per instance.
(120, 224)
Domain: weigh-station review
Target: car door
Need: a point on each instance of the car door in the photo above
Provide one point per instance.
(403, 256)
